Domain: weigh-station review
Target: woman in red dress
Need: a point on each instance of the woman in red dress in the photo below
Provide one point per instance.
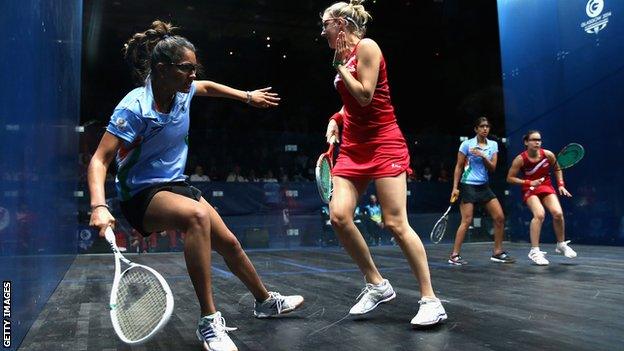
(372, 148)
(538, 192)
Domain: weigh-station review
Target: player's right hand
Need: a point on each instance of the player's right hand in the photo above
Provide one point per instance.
(332, 130)
(102, 219)
(454, 194)
(537, 182)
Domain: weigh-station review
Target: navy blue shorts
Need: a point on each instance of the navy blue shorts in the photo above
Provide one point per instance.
(475, 194)
(135, 208)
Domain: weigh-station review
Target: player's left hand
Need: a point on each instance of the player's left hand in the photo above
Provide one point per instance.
(263, 98)
(564, 192)
(342, 52)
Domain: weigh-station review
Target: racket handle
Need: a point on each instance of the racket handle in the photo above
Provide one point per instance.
(109, 235)
(453, 198)
(332, 139)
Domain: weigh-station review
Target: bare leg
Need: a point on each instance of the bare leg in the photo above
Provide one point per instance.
(466, 210)
(554, 207)
(392, 194)
(496, 212)
(537, 209)
(341, 208)
(168, 210)
(226, 244)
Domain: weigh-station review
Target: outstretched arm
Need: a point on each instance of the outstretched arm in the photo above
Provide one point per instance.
(261, 98)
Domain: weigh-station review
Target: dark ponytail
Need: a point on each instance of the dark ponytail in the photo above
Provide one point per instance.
(157, 44)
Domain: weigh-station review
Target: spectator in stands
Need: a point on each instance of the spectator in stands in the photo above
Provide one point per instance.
(374, 220)
(199, 175)
(252, 176)
(269, 178)
(427, 176)
(443, 177)
(214, 174)
(235, 175)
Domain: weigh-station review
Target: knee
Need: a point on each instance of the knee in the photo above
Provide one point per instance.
(466, 220)
(539, 216)
(396, 227)
(199, 219)
(499, 219)
(557, 216)
(340, 219)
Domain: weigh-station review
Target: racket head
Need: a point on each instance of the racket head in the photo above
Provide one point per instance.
(323, 177)
(437, 233)
(570, 155)
(141, 304)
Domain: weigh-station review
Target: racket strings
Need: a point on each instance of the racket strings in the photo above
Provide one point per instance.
(570, 155)
(438, 231)
(141, 303)
(325, 178)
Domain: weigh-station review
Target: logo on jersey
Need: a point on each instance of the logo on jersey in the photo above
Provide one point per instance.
(394, 165)
(542, 163)
(597, 19)
(121, 123)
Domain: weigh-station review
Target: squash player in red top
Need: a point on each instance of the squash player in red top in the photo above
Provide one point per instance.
(538, 192)
(373, 148)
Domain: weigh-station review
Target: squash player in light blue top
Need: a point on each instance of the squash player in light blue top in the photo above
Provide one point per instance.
(476, 158)
(148, 133)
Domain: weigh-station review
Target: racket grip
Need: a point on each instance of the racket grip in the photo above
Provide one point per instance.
(453, 198)
(110, 235)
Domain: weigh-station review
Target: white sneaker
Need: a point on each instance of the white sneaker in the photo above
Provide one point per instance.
(538, 257)
(565, 250)
(371, 296)
(429, 313)
(213, 333)
(277, 304)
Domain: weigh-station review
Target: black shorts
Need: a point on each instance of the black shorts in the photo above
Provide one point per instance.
(134, 209)
(472, 194)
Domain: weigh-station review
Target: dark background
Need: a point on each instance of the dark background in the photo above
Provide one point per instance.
(443, 60)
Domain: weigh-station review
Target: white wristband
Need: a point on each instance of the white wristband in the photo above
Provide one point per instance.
(248, 97)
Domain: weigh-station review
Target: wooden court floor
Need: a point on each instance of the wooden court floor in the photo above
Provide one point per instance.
(569, 305)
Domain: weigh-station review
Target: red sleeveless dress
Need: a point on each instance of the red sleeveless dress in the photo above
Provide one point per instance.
(372, 144)
(534, 170)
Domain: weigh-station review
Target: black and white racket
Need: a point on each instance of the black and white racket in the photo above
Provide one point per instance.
(437, 233)
(140, 302)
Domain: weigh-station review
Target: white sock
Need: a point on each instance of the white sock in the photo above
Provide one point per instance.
(383, 282)
(210, 316)
(535, 248)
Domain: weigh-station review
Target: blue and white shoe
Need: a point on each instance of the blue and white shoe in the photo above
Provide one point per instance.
(213, 333)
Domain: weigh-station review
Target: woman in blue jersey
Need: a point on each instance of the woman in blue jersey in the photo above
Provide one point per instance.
(148, 133)
(475, 159)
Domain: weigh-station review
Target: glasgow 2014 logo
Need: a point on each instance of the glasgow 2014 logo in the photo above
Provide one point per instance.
(597, 19)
